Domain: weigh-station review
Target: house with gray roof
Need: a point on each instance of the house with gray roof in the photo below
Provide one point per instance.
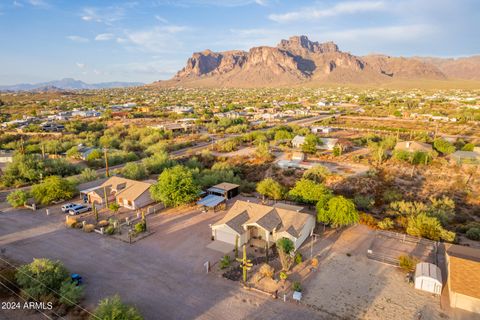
(262, 225)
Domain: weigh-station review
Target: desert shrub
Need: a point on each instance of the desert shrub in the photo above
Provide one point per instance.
(110, 230)
(297, 286)
(88, 174)
(102, 223)
(71, 222)
(89, 228)
(283, 275)
(225, 262)
(8, 282)
(368, 220)
(298, 258)
(70, 293)
(428, 227)
(391, 195)
(140, 227)
(473, 234)
(17, 198)
(114, 207)
(113, 308)
(407, 263)
(53, 188)
(363, 202)
(385, 224)
(266, 271)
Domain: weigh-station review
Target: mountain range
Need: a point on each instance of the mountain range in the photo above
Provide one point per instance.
(67, 84)
(299, 61)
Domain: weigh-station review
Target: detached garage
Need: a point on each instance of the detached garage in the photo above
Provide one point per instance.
(428, 277)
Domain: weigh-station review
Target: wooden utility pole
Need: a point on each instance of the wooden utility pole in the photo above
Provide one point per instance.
(106, 162)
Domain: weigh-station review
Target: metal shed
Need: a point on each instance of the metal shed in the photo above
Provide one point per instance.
(428, 277)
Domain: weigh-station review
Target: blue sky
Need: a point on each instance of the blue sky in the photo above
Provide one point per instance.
(147, 40)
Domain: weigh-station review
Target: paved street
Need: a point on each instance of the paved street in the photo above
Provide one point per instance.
(162, 275)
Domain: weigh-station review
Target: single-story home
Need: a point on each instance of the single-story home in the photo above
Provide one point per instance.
(297, 141)
(262, 225)
(463, 265)
(298, 156)
(321, 129)
(413, 146)
(127, 193)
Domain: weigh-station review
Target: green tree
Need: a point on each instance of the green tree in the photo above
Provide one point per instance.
(285, 246)
(443, 146)
(442, 208)
(17, 198)
(337, 212)
(310, 144)
(52, 189)
(308, 191)
(317, 173)
(468, 147)
(271, 189)
(263, 152)
(175, 186)
(88, 174)
(39, 278)
(135, 171)
(158, 162)
(112, 308)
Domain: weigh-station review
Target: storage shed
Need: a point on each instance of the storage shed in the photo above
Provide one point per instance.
(224, 189)
(428, 277)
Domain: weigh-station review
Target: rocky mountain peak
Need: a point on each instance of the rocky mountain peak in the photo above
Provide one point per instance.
(299, 44)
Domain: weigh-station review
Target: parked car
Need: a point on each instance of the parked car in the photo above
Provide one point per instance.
(79, 208)
(68, 206)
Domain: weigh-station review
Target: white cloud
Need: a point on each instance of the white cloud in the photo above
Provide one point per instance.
(107, 15)
(104, 37)
(17, 4)
(81, 65)
(161, 19)
(388, 33)
(156, 39)
(38, 3)
(77, 38)
(312, 13)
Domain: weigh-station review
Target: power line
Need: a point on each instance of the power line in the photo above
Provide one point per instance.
(57, 293)
(24, 298)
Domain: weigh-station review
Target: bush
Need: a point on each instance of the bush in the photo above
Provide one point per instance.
(8, 281)
(225, 262)
(71, 222)
(17, 198)
(266, 271)
(385, 224)
(102, 223)
(363, 202)
(283, 275)
(473, 234)
(89, 228)
(407, 263)
(134, 171)
(110, 230)
(70, 293)
(298, 258)
(297, 286)
(368, 220)
(443, 146)
(140, 227)
(113, 308)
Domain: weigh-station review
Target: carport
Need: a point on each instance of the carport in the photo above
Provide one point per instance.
(211, 201)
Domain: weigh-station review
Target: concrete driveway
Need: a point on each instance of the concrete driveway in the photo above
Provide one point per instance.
(163, 274)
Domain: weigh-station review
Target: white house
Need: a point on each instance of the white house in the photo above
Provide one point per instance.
(262, 225)
(297, 141)
(321, 129)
